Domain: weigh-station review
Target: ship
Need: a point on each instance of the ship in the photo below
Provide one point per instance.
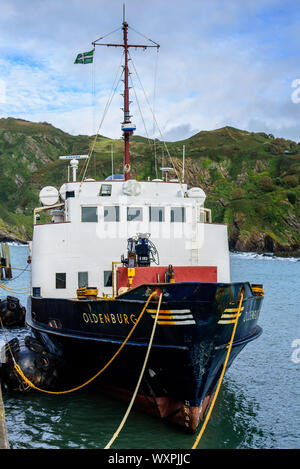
(120, 254)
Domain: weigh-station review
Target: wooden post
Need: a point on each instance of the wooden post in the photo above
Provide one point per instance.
(6, 256)
(4, 444)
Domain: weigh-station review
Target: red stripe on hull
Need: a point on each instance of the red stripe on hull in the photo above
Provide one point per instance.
(166, 408)
(157, 274)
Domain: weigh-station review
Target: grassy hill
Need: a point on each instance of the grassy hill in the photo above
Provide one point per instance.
(251, 179)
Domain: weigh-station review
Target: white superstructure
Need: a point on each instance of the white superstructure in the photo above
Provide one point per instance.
(91, 225)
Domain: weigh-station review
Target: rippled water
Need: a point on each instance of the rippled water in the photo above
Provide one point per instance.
(258, 405)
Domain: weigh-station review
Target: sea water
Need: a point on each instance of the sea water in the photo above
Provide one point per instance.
(257, 407)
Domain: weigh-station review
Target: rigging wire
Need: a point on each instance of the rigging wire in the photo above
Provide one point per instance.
(109, 101)
(146, 131)
(161, 135)
(138, 104)
(23, 270)
(108, 34)
(145, 37)
(93, 105)
(154, 98)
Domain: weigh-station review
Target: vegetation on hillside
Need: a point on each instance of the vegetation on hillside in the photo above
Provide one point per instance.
(252, 180)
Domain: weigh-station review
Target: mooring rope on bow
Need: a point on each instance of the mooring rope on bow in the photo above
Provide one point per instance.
(21, 273)
(29, 383)
(18, 291)
(116, 434)
(222, 374)
(13, 268)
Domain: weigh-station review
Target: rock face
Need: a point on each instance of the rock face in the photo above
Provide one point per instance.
(14, 234)
(25, 149)
(251, 179)
(261, 242)
(252, 194)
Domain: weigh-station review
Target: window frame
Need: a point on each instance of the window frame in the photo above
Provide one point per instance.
(89, 207)
(117, 212)
(107, 278)
(158, 208)
(36, 292)
(135, 219)
(184, 214)
(101, 190)
(64, 281)
(80, 285)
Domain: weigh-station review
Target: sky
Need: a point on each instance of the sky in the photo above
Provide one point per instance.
(233, 62)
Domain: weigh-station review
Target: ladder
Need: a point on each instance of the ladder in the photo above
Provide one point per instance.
(195, 241)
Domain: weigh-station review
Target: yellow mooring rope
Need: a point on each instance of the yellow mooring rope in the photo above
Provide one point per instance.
(116, 434)
(13, 289)
(222, 375)
(18, 291)
(11, 268)
(20, 372)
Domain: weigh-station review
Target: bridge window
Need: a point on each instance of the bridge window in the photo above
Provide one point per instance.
(105, 190)
(112, 213)
(107, 278)
(36, 291)
(70, 194)
(83, 279)
(156, 214)
(134, 213)
(60, 280)
(89, 214)
(177, 214)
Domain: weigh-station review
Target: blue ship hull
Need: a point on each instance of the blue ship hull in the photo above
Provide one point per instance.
(194, 327)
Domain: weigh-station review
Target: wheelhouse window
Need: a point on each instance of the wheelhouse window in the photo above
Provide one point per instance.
(134, 214)
(36, 291)
(89, 214)
(70, 194)
(177, 214)
(105, 190)
(107, 278)
(83, 279)
(112, 213)
(156, 214)
(60, 280)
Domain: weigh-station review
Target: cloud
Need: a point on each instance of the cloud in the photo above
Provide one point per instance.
(180, 132)
(220, 63)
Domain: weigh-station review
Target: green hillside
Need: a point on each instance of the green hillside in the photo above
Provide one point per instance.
(251, 179)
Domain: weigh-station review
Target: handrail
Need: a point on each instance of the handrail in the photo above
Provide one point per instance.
(44, 209)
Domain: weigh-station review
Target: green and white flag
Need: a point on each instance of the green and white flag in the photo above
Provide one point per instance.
(85, 57)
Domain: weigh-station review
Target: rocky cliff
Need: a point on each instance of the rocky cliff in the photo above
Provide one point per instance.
(251, 179)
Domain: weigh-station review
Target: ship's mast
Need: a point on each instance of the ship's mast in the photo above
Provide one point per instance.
(126, 133)
(127, 127)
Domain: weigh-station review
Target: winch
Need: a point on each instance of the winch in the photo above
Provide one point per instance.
(140, 252)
